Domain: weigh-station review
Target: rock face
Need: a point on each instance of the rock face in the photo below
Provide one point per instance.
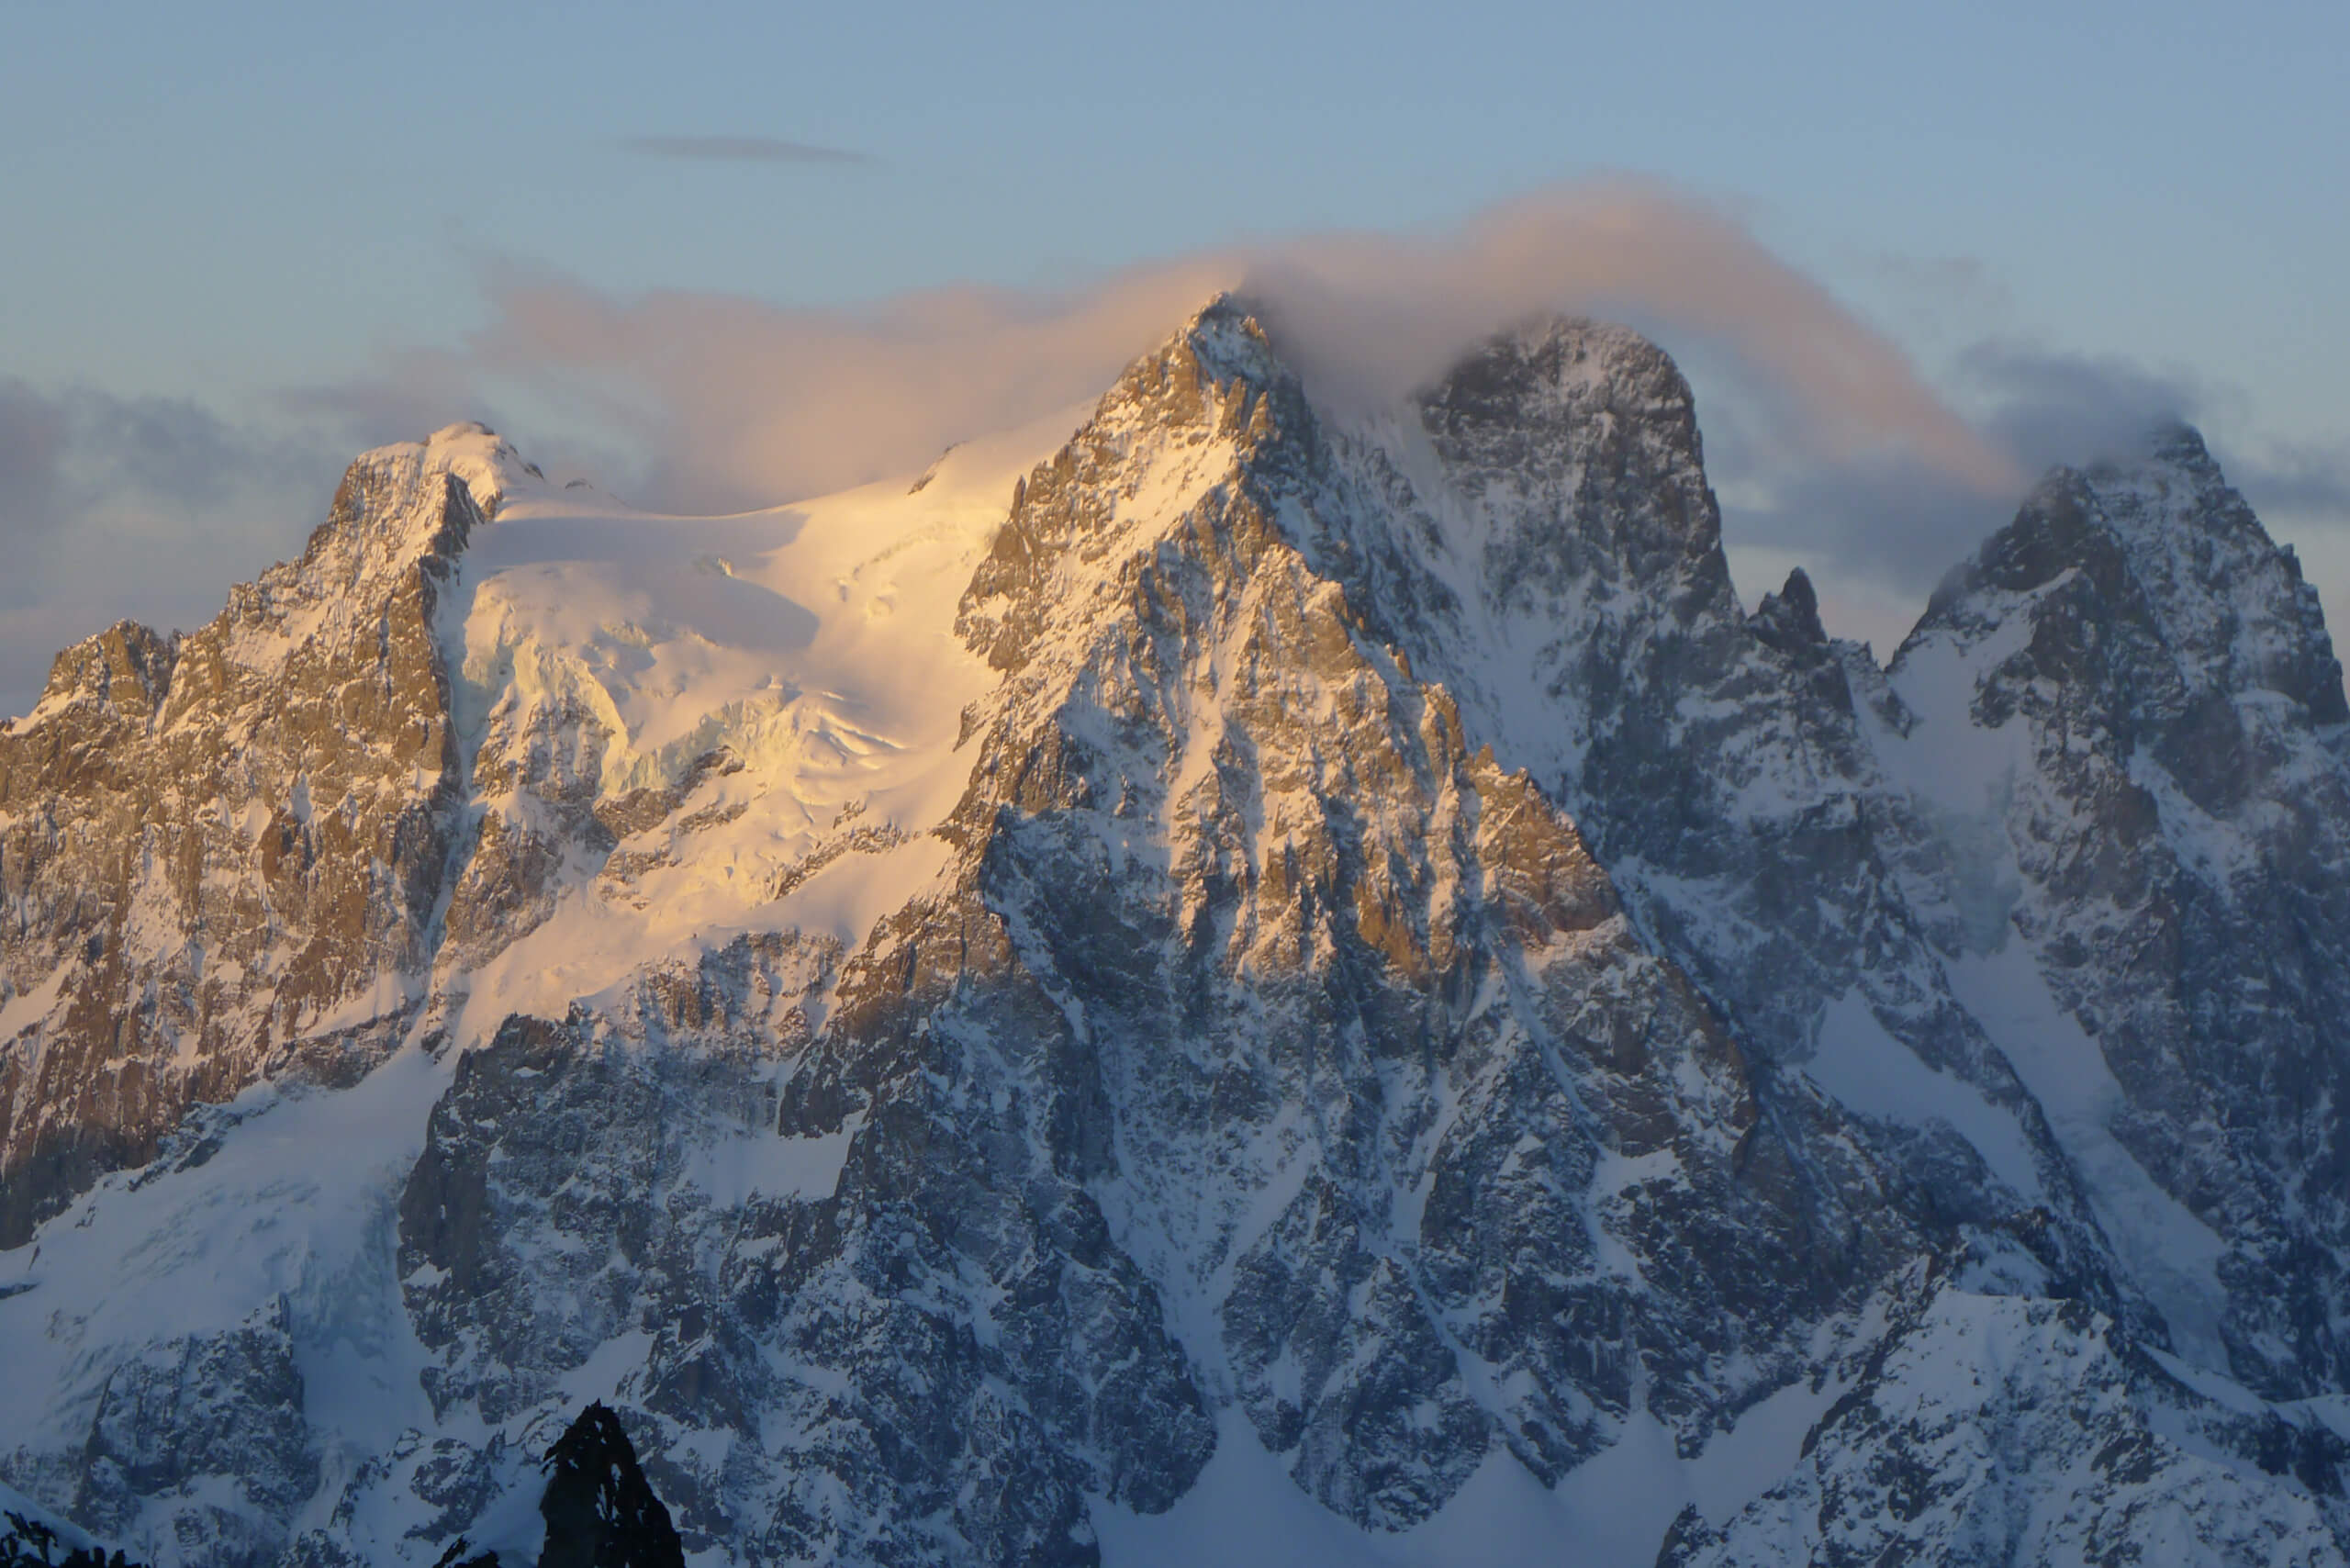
(216, 1421)
(2012, 1431)
(2177, 865)
(1305, 957)
(213, 846)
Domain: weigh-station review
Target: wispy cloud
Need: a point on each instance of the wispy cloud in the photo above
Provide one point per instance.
(142, 507)
(65, 456)
(34, 433)
(2306, 478)
(731, 401)
(744, 149)
(1896, 519)
(2052, 407)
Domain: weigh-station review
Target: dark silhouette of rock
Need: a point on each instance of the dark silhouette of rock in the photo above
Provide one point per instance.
(600, 1511)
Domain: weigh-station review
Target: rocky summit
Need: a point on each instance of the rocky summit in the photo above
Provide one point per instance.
(1219, 977)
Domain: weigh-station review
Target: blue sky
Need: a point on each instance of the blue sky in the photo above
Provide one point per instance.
(215, 208)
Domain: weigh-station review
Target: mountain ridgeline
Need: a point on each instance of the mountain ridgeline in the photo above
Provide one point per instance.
(1219, 979)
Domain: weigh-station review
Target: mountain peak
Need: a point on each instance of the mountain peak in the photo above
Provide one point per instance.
(1222, 342)
(478, 457)
(401, 505)
(2157, 543)
(1789, 619)
(1581, 439)
(1552, 358)
(2181, 445)
(2167, 448)
(1580, 339)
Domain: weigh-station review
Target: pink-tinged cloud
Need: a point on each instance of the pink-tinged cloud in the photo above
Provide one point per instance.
(727, 401)
(1386, 312)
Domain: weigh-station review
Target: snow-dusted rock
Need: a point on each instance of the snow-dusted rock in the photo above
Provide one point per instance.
(226, 855)
(2005, 1429)
(2130, 699)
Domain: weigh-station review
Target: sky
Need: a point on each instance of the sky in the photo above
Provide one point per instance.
(723, 255)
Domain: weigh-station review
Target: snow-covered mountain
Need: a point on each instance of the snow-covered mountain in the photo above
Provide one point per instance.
(1213, 978)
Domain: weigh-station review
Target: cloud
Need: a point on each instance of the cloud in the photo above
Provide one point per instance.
(1385, 312)
(1824, 439)
(717, 401)
(2053, 408)
(743, 150)
(64, 454)
(1895, 521)
(2312, 481)
(33, 436)
(142, 507)
(2049, 407)
(712, 402)
(1967, 284)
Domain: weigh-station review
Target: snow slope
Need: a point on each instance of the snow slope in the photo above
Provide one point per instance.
(811, 644)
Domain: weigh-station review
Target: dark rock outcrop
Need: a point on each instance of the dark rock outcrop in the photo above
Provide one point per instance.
(599, 1511)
